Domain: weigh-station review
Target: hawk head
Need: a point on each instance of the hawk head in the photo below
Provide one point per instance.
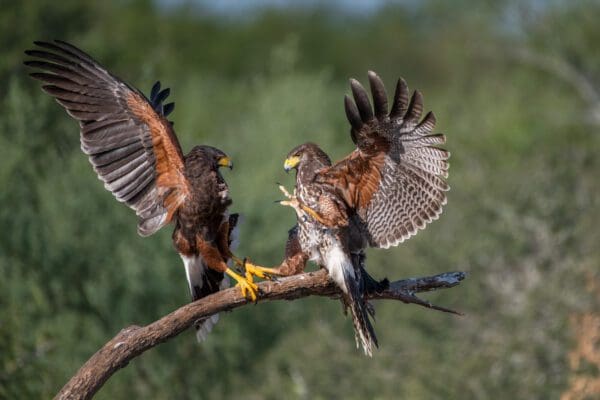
(306, 157)
(206, 157)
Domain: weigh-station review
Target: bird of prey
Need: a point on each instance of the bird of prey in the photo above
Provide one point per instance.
(134, 151)
(388, 188)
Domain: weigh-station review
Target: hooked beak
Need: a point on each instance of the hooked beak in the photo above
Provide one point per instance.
(290, 163)
(225, 162)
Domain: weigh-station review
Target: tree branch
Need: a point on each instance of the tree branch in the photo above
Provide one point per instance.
(134, 340)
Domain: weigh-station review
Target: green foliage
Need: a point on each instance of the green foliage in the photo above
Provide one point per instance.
(521, 218)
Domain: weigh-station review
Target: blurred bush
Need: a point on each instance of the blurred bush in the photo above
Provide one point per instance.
(521, 219)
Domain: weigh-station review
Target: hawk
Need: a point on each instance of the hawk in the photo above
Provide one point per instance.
(385, 191)
(134, 150)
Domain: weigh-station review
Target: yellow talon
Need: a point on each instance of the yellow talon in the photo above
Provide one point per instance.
(249, 277)
(302, 210)
(292, 200)
(252, 270)
(286, 193)
(247, 286)
(298, 206)
(291, 203)
(261, 272)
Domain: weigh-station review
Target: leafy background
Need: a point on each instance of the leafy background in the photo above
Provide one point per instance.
(514, 85)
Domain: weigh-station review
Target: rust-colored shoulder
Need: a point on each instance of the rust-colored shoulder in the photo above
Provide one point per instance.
(356, 177)
(170, 177)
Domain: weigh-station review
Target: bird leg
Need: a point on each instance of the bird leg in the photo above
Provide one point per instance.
(292, 201)
(286, 193)
(246, 284)
(301, 209)
(253, 270)
(214, 260)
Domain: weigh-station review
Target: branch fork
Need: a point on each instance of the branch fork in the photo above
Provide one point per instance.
(135, 340)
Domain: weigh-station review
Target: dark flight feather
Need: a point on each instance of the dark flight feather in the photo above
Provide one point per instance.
(380, 102)
(362, 100)
(400, 104)
(118, 126)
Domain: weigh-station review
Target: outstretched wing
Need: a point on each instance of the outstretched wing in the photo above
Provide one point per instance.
(130, 143)
(395, 177)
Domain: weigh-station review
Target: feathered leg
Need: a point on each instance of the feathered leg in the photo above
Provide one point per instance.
(215, 260)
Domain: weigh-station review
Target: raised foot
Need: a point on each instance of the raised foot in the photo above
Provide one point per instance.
(292, 200)
(248, 288)
(302, 210)
(286, 193)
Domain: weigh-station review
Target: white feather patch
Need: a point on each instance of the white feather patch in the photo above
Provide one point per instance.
(194, 271)
(336, 262)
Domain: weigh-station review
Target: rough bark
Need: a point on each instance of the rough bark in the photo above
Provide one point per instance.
(134, 340)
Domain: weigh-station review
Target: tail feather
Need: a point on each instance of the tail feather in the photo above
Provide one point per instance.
(204, 326)
(346, 271)
(368, 284)
(364, 332)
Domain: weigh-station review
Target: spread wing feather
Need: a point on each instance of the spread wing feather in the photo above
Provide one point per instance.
(412, 192)
(129, 141)
(395, 177)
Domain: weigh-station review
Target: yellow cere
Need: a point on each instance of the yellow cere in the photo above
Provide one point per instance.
(291, 162)
(224, 162)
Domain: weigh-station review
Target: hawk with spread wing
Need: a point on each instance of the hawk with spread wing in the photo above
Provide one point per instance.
(388, 188)
(133, 149)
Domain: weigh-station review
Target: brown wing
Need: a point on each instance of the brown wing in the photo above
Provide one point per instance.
(394, 178)
(130, 143)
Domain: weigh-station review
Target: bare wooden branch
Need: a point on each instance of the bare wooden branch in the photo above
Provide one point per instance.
(134, 340)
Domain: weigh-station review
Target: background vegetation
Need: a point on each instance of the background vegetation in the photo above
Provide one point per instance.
(514, 85)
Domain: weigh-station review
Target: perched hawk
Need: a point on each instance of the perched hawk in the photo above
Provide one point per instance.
(133, 149)
(381, 194)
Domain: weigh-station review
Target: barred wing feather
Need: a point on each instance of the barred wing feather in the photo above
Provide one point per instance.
(412, 187)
